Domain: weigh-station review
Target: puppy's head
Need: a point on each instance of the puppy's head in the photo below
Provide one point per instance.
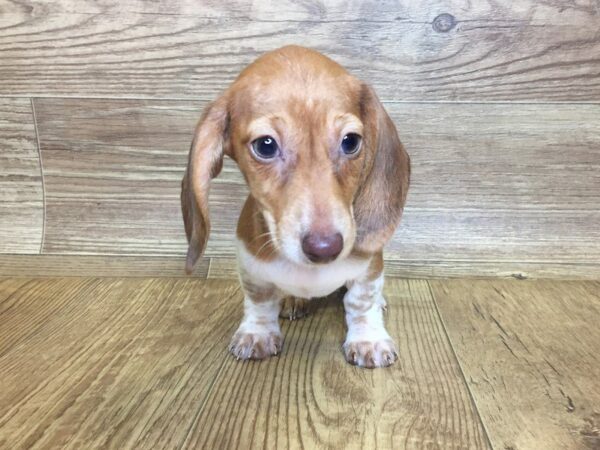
(320, 155)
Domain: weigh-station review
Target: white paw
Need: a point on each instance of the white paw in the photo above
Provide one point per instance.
(370, 354)
(256, 345)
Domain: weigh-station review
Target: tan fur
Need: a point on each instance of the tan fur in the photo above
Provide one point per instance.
(255, 233)
(383, 191)
(204, 163)
(376, 266)
(257, 292)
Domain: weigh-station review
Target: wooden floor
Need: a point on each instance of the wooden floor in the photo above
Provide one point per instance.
(142, 363)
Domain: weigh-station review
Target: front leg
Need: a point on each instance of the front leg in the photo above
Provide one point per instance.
(368, 344)
(259, 335)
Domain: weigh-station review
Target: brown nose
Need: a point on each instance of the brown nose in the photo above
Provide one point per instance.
(322, 248)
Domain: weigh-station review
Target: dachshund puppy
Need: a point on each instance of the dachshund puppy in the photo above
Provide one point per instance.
(328, 179)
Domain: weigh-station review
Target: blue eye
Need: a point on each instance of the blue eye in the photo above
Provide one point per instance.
(351, 143)
(265, 147)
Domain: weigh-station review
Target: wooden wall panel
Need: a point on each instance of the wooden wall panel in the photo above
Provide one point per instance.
(113, 174)
(485, 50)
(515, 188)
(49, 265)
(21, 191)
(501, 183)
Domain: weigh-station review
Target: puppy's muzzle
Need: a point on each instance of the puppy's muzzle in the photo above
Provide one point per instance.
(321, 247)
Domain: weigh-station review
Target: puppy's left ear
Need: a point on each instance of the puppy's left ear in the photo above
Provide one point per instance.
(381, 196)
(204, 163)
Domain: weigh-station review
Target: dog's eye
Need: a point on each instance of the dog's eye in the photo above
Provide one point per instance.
(265, 147)
(351, 143)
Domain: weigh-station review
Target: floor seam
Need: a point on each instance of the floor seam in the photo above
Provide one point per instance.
(39, 149)
(460, 368)
(226, 358)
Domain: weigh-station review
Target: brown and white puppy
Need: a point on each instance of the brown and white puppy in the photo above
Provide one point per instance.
(328, 179)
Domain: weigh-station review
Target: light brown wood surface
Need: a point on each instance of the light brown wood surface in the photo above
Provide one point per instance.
(21, 191)
(48, 265)
(530, 354)
(309, 397)
(530, 50)
(113, 174)
(512, 188)
(142, 363)
(90, 363)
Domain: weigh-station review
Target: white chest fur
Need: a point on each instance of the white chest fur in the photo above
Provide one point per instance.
(302, 281)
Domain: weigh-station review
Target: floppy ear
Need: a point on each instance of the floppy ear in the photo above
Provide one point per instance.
(380, 198)
(204, 163)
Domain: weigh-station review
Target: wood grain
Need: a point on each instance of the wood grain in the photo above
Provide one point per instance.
(59, 265)
(508, 189)
(487, 50)
(310, 398)
(224, 268)
(113, 174)
(115, 363)
(21, 191)
(451, 268)
(48, 265)
(8, 286)
(501, 183)
(529, 351)
(142, 363)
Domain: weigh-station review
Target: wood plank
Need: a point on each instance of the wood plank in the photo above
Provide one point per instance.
(309, 397)
(48, 265)
(505, 183)
(419, 11)
(8, 286)
(224, 268)
(58, 265)
(21, 191)
(485, 50)
(136, 373)
(113, 174)
(529, 351)
(451, 268)
(493, 188)
(119, 363)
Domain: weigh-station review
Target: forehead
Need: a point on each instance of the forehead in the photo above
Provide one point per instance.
(297, 84)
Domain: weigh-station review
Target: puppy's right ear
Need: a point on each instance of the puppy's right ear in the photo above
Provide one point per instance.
(204, 163)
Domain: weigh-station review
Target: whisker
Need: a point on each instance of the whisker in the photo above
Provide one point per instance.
(271, 240)
(259, 236)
